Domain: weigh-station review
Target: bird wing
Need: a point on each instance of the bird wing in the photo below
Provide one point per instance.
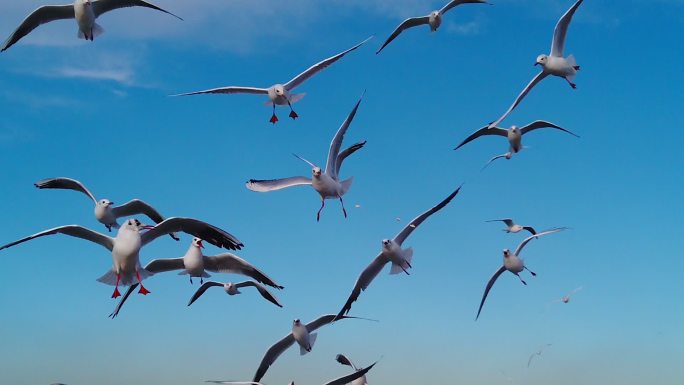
(507, 221)
(481, 132)
(558, 42)
(529, 360)
(542, 124)
(202, 230)
(163, 265)
(262, 290)
(266, 185)
(348, 151)
(408, 23)
(504, 155)
(531, 237)
(326, 319)
(454, 3)
(229, 90)
(530, 229)
(65, 183)
(363, 281)
(272, 354)
(316, 68)
(232, 264)
(71, 230)
(520, 97)
(102, 6)
(342, 359)
(332, 165)
(489, 287)
(202, 289)
(136, 206)
(350, 377)
(42, 15)
(119, 305)
(420, 218)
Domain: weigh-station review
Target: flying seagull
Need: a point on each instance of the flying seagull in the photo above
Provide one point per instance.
(233, 288)
(566, 297)
(280, 94)
(553, 63)
(84, 11)
(513, 263)
(434, 20)
(125, 248)
(105, 211)
(513, 227)
(327, 183)
(342, 359)
(537, 353)
(391, 252)
(349, 378)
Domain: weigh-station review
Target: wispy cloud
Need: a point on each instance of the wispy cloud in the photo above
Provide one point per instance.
(469, 28)
(120, 75)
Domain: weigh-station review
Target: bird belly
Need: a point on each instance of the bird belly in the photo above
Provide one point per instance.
(85, 17)
(301, 335)
(515, 142)
(514, 264)
(359, 381)
(435, 21)
(104, 215)
(559, 66)
(194, 266)
(326, 186)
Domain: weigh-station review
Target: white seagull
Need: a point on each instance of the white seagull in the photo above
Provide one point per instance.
(566, 298)
(552, 64)
(233, 289)
(84, 11)
(513, 227)
(434, 19)
(342, 359)
(513, 263)
(105, 211)
(349, 378)
(280, 94)
(125, 248)
(327, 183)
(537, 353)
(301, 333)
(513, 134)
(391, 252)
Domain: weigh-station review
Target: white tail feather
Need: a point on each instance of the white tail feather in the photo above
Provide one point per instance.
(571, 61)
(408, 256)
(295, 98)
(346, 184)
(109, 278)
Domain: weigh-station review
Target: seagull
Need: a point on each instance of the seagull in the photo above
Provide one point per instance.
(391, 252)
(302, 334)
(537, 353)
(513, 263)
(326, 183)
(512, 227)
(514, 135)
(281, 94)
(105, 212)
(194, 263)
(233, 289)
(566, 298)
(353, 377)
(126, 246)
(342, 359)
(434, 19)
(552, 64)
(84, 11)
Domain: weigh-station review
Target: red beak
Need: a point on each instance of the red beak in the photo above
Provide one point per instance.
(147, 227)
(200, 244)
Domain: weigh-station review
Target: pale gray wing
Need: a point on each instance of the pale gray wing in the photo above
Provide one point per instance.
(163, 265)
(102, 6)
(408, 23)
(316, 68)
(362, 283)
(558, 42)
(272, 354)
(202, 230)
(507, 221)
(232, 264)
(119, 305)
(454, 3)
(542, 124)
(202, 289)
(488, 288)
(531, 237)
(71, 230)
(332, 165)
(42, 15)
(266, 185)
(262, 290)
(401, 237)
(229, 90)
(136, 206)
(348, 151)
(342, 359)
(326, 319)
(529, 361)
(66, 184)
(482, 132)
(505, 155)
(520, 97)
(351, 377)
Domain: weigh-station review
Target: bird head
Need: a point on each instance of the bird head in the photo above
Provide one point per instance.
(135, 225)
(316, 171)
(541, 60)
(105, 203)
(297, 322)
(279, 89)
(197, 243)
(506, 253)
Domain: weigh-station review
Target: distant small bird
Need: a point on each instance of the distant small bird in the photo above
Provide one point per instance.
(84, 11)
(537, 353)
(342, 359)
(513, 263)
(281, 94)
(434, 20)
(512, 227)
(326, 183)
(105, 211)
(391, 253)
(233, 289)
(566, 298)
(552, 64)
(349, 378)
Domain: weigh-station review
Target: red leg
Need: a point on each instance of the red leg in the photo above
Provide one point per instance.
(142, 290)
(293, 114)
(343, 210)
(318, 216)
(116, 293)
(274, 118)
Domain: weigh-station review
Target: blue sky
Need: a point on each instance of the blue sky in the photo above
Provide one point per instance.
(99, 112)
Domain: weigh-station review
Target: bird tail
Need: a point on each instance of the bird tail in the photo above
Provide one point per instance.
(296, 97)
(312, 339)
(185, 272)
(346, 184)
(109, 278)
(406, 264)
(573, 63)
(97, 31)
